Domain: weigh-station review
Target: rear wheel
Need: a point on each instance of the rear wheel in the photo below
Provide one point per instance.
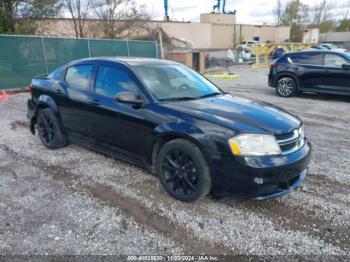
(286, 87)
(49, 129)
(183, 171)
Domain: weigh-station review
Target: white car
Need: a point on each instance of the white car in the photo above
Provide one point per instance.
(334, 48)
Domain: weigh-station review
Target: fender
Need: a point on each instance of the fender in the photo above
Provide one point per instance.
(186, 130)
(45, 101)
(48, 102)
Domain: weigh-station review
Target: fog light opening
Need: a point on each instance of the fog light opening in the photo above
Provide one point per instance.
(259, 180)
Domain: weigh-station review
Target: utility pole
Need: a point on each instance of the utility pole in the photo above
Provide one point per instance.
(166, 8)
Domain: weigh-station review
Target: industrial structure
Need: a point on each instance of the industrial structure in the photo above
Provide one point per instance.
(216, 31)
(213, 31)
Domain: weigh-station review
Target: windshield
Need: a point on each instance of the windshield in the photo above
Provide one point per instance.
(175, 82)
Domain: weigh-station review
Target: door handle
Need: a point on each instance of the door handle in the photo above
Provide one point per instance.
(94, 102)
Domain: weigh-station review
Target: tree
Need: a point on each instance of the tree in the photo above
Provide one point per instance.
(344, 26)
(79, 11)
(278, 11)
(344, 22)
(28, 11)
(322, 12)
(322, 16)
(8, 11)
(18, 14)
(119, 18)
(296, 15)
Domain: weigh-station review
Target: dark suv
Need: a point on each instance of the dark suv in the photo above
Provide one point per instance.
(312, 71)
(164, 116)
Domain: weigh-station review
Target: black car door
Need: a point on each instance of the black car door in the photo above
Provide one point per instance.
(337, 77)
(72, 98)
(309, 68)
(115, 123)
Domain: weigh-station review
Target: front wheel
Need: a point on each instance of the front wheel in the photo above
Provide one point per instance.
(183, 171)
(286, 87)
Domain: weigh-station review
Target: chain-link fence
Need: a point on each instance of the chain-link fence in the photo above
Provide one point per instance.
(22, 57)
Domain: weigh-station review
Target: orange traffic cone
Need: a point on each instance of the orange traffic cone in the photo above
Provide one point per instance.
(4, 96)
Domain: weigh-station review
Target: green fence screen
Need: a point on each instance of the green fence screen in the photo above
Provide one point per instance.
(22, 57)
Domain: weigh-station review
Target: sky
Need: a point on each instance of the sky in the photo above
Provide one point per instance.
(248, 11)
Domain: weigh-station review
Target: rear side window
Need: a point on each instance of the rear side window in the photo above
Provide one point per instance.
(332, 60)
(307, 58)
(55, 74)
(79, 76)
(110, 81)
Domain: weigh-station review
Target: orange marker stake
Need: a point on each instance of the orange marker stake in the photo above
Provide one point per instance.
(4, 96)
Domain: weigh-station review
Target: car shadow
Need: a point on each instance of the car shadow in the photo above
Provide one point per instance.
(325, 97)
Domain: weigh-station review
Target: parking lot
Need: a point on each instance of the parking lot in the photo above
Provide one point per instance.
(75, 201)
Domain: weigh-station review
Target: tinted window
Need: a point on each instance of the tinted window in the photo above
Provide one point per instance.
(307, 58)
(55, 74)
(110, 81)
(79, 76)
(333, 60)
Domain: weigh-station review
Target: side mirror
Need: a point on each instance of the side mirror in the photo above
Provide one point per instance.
(129, 98)
(346, 66)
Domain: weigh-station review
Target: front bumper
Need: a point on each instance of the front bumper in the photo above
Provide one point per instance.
(260, 177)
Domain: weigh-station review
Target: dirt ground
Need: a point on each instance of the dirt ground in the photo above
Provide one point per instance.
(75, 201)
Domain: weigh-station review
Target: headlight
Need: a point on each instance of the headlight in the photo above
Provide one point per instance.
(301, 131)
(254, 145)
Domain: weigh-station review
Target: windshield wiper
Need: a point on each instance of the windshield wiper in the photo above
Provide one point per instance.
(211, 94)
(184, 98)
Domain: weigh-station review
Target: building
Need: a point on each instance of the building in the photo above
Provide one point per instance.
(342, 39)
(311, 35)
(214, 31)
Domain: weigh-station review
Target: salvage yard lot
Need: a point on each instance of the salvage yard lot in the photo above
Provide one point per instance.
(75, 201)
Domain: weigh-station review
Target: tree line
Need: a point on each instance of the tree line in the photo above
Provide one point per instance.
(21, 16)
(326, 15)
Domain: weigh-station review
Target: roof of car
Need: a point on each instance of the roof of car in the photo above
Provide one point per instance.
(314, 51)
(131, 61)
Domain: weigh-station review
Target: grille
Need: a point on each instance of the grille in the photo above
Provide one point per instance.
(292, 141)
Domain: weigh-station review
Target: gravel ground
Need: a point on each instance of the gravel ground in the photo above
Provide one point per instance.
(75, 201)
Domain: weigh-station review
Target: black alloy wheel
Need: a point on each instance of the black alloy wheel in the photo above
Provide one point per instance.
(49, 129)
(183, 170)
(180, 173)
(46, 129)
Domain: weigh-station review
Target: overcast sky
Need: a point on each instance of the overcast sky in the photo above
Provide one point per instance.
(248, 11)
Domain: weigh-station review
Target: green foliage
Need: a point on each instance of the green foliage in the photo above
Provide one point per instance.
(296, 33)
(2, 24)
(296, 14)
(327, 26)
(25, 27)
(17, 16)
(43, 8)
(300, 16)
(344, 26)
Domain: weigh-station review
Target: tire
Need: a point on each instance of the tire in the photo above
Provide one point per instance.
(49, 129)
(286, 87)
(183, 171)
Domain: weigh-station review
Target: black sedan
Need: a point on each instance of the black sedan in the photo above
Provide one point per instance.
(163, 116)
(311, 71)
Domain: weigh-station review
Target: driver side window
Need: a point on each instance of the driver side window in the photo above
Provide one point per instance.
(332, 60)
(111, 81)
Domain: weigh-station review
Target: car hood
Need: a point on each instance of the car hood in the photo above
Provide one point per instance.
(240, 114)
